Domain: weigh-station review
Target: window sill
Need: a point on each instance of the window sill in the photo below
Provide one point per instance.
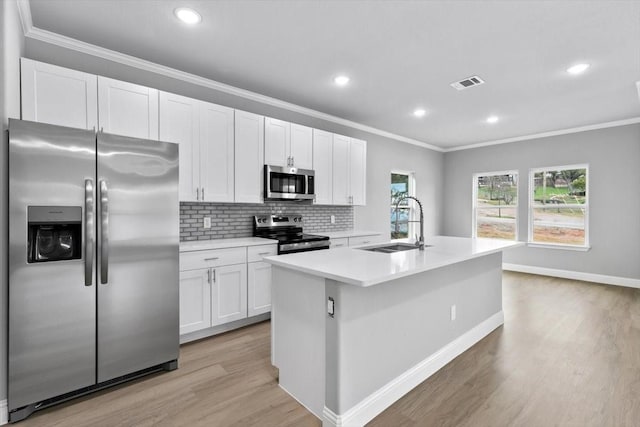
(559, 246)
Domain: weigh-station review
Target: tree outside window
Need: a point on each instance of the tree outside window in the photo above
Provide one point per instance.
(558, 207)
(496, 205)
(402, 184)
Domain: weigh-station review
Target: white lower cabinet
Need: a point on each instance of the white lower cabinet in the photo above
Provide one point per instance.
(342, 242)
(228, 293)
(195, 300)
(219, 286)
(259, 287)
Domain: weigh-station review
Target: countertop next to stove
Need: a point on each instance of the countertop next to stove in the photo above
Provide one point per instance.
(364, 268)
(203, 245)
(346, 233)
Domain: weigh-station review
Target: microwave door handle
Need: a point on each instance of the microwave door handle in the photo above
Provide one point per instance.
(104, 233)
(88, 232)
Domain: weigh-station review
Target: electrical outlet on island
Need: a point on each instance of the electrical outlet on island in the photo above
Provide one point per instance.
(207, 222)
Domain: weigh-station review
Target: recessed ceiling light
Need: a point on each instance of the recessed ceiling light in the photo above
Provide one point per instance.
(419, 112)
(341, 80)
(578, 68)
(492, 119)
(188, 16)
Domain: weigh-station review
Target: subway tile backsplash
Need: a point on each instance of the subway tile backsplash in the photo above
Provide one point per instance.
(236, 220)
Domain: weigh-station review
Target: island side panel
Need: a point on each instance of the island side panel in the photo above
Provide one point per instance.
(380, 332)
(298, 335)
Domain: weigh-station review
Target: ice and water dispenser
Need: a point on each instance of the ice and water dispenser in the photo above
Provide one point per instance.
(54, 233)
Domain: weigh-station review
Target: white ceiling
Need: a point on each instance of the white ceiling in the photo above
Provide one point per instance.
(400, 55)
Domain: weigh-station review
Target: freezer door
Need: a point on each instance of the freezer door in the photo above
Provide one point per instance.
(52, 303)
(138, 252)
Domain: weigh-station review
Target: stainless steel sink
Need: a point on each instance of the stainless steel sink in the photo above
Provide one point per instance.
(389, 248)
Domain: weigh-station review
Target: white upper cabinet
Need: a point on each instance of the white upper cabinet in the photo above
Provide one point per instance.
(277, 140)
(287, 144)
(216, 153)
(323, 166)
(358, 171)
(341, 190)
(58, 96)
(349, 171)
(249, 157)
(127, 109)
(204, 132)
(179, 124)
(301, 146)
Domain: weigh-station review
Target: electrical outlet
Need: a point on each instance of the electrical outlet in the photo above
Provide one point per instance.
(333, 219)
(207, 222)
(453, 312)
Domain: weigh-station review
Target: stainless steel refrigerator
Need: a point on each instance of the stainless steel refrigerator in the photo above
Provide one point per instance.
(93, 262)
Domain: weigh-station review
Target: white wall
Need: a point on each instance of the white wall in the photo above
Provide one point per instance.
(12, 49)
(614, 182)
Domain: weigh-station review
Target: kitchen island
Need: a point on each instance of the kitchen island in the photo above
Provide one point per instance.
(355, 330)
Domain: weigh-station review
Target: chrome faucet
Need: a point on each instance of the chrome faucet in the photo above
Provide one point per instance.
(419, 241)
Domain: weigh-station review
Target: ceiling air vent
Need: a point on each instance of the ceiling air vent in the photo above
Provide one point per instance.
(467, 83)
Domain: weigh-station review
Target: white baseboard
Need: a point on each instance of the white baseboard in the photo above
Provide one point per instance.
(575, 275)
(4, 412)
(384, 397)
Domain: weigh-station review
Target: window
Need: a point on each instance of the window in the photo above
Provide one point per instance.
(495, 205)
(559, 206)
(402, 184)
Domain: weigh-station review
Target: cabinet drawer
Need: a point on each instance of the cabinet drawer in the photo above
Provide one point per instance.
(255, 253)
(212, 258)
(339, 243)
(363, 240)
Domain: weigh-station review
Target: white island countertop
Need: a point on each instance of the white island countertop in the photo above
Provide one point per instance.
(365, 268)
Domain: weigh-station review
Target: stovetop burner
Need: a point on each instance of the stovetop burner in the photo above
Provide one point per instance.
(287, 229)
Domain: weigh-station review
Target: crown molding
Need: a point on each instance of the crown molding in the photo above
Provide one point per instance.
(605, 125)
(141, 64)
(24, 10)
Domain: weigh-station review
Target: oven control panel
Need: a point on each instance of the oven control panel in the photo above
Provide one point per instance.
(263, 221)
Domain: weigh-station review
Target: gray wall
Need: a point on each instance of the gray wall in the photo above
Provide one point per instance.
(12, 44)
(382, 158)
(229, 220)
(614, 180)
(383, 154)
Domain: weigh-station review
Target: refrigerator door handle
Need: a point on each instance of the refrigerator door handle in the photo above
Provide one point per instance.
(88, 232)
(104, 233)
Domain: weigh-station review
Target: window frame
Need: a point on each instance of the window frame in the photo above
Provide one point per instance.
(411, 191)
(586, 206)
(474, 209)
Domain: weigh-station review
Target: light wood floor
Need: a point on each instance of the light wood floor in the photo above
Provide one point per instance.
(568, 355)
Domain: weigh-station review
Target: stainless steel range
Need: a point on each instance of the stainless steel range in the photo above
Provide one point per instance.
(287, 229)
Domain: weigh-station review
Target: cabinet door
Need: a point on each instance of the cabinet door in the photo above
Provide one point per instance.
(301, 146)
(341, 194)
(323, 166)
(358, 171)
(277, 139)
(179, 123)
(127, 109)
(259, 288)
(195, 300)
(249, 157)
(59, 96)
(216, 153)
(341, 242)
(228, 293)
(365, 240)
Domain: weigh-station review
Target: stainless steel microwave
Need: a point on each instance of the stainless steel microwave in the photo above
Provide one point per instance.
(287, 183)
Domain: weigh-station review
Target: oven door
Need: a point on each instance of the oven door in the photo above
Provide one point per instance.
(288, 183)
